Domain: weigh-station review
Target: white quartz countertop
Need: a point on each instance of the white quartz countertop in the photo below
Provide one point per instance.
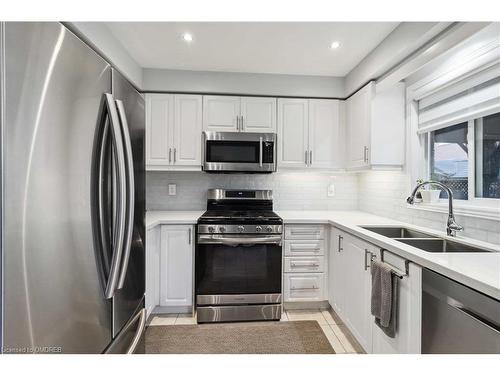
(154, 218)
(480, 271)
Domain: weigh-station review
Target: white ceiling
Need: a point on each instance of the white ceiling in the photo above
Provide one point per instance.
(252, 47)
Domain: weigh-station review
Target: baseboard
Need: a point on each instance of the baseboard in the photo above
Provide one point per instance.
(321, 305)
(172, 310)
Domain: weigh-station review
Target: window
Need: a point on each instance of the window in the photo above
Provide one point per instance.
(450, 160)
(466, 158)
(487, 143)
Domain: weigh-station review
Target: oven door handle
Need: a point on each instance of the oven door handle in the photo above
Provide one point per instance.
(235, 241)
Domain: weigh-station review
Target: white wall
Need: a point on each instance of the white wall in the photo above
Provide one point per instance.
(398, 45)
(242, 83)
(384, 193)
(98, 35)
(292, 190)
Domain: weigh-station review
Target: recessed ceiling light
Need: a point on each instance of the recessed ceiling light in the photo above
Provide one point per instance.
(335, 45)
(187, 37)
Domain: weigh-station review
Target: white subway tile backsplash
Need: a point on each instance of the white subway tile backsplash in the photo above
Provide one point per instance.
(291, 190)
(384, 193)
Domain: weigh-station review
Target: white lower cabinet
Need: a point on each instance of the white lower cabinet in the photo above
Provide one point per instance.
(349, 286)
(305, 266)
(304, 287)
(176, 265)
(169, 268)
(152, 269)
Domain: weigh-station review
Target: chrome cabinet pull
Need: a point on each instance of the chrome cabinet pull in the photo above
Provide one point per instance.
(314, 287)
(305, 231)
(242, 124)
(367, 265)
(260, 151)
(310, 157)
(189, 236)
(175, 153)
(341, 239)
(169, 155)
(366, 154)
(305, 157)
(294, 265)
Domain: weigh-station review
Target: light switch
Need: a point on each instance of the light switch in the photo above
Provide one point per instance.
(331, 190)
(172, 189)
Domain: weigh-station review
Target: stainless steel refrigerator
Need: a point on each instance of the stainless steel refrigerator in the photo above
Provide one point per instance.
(73, 197)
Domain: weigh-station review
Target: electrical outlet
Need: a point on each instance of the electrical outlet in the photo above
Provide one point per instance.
(172, 189)
(331, 190)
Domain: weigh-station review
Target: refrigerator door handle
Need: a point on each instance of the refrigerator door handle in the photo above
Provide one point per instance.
(130, 193)
(119, 233)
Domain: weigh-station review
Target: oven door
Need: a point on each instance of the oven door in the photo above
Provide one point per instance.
(239, 152)
(238, 269)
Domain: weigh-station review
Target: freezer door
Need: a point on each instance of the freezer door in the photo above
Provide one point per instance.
(54, 292)
(132, 284)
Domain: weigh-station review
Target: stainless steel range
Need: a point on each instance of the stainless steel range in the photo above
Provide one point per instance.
(238, 257)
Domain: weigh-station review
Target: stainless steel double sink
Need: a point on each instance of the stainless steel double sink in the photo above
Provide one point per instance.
(424, 241)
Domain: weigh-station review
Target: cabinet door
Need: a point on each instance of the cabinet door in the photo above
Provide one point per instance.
(358, 127)
(357, 281)
(324, 134)
(220, 113)
(159, 133)
(187, 130)
(292, 132)
(152, 269)
(176, 265)
(408, 334)
(336, 272)
(258, 114)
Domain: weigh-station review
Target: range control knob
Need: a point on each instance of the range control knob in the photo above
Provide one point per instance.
(211, 229)
(240, 228)
(258, 229)
(222, 229)
(269, 229)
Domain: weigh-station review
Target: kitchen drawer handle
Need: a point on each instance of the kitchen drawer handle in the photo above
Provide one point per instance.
(315, 249)
(341, 239)
(294, 265)
(317, 231)
(314, 287)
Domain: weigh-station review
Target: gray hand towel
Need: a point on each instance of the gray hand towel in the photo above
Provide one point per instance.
(384, 298)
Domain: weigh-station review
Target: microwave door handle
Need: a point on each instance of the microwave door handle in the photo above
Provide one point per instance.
(260, 151)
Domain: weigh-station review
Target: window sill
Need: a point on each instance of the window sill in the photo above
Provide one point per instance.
(462, 209)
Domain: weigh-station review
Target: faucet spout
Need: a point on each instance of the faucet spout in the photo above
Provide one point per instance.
(452, 227)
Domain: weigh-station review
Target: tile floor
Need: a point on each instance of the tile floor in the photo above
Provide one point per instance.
(338, 335)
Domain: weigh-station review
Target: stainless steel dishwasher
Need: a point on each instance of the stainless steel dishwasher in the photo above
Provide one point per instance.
(456, 318)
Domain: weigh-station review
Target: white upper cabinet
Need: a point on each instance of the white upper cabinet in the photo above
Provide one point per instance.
(309, 133)
(376, 127)
(159, 117)
(239, 114)
(187, 129)
(173, 132)
(293, 129)
(221, 113)
(258, 115)
(324, 134)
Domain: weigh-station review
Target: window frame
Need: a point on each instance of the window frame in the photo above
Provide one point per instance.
(472, 201)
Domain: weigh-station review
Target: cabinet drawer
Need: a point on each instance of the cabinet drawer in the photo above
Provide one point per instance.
(304, 232)
(305, 264)
(304, 247)
(304, 286)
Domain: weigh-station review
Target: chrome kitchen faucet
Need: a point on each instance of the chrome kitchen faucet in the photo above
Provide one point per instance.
(451, 227)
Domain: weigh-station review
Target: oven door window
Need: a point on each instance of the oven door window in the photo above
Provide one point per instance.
(222, 269)
(232, 152)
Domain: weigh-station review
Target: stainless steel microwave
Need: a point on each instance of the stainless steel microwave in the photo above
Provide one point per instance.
(227, 152)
